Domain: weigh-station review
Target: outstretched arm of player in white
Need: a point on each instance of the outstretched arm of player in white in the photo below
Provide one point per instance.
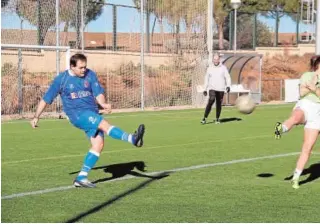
(227, 77)
(42, 105)
(309, 88)
(304, 90)
(317, 92)
(206, 80)
(312, 86)
(102, 102)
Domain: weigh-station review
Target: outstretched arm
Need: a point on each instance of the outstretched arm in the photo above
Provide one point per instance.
(48, 98)
(227, 78)
(206, 83)
(42, 105)
(206, 80)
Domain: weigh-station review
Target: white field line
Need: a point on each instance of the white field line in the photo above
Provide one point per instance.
(63, 188)
(138, 150)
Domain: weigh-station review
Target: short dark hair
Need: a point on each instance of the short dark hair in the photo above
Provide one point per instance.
(315, 63)
(216, 54)
(77, 57)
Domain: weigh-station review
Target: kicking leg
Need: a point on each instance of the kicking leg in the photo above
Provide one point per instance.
(116, 133)
(297, 117)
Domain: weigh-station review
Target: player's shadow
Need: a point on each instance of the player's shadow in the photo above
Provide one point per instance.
(313, 171)
(265, 175)
(122, 169)
(116, 198)
(226, 120)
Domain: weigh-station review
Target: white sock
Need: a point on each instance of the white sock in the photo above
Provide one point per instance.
(284, 128)
(82, 173)
(109, 130)
(130, 138)
(296, 174)
(94, 152)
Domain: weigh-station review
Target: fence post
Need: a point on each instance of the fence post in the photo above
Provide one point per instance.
(281, 90)
(82, 27)
(57, 37)
(260, 78)
(20, 83)
(277, 28)
(78, 24)
(297, 26)
(254, 41)
(57, 50)
(148, 31)
(230, 30)
(39, 23)
(142, 51)
(210, 31)
(114, 27)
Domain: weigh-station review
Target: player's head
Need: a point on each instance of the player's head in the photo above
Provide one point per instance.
(216, 59)
(78, 64)
(315, 63)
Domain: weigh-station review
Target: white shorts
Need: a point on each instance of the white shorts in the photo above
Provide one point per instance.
(311, 112)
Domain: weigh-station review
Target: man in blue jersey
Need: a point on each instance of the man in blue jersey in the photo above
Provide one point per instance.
(80, 89)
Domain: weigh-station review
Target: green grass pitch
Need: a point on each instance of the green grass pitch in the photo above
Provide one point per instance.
(231, 172)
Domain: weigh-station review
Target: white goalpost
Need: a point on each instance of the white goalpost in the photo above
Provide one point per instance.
(210, 30)
(27, 71)
(39, 47)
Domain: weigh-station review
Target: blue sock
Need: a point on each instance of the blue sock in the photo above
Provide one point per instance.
(89, 161)
(117, 133)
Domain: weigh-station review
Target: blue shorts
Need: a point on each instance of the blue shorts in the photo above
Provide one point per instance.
(88, 121)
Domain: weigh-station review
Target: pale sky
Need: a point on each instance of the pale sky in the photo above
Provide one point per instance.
(129, 21)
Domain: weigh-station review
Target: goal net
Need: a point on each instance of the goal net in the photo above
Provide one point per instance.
(177, 38)
(182, 38)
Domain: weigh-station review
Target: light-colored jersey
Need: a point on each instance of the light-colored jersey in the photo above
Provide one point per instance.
(305, 79)
(217, 78)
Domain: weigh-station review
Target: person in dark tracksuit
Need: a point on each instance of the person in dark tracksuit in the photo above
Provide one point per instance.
(217, 80)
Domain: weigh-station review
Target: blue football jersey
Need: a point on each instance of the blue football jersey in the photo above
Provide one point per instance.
(77, 93)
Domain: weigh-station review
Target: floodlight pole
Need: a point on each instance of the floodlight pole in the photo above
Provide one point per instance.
(142, 52)
(57, 38)
(82, 28)
(210, 30)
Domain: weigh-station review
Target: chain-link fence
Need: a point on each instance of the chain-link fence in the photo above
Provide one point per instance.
(144, 56)
(22, 89)
(264, 29)
(150, 56)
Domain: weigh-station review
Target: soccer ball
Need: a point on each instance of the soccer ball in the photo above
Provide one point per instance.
(245, 104)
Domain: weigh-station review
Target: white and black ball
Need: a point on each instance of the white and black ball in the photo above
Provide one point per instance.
(245, 104)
